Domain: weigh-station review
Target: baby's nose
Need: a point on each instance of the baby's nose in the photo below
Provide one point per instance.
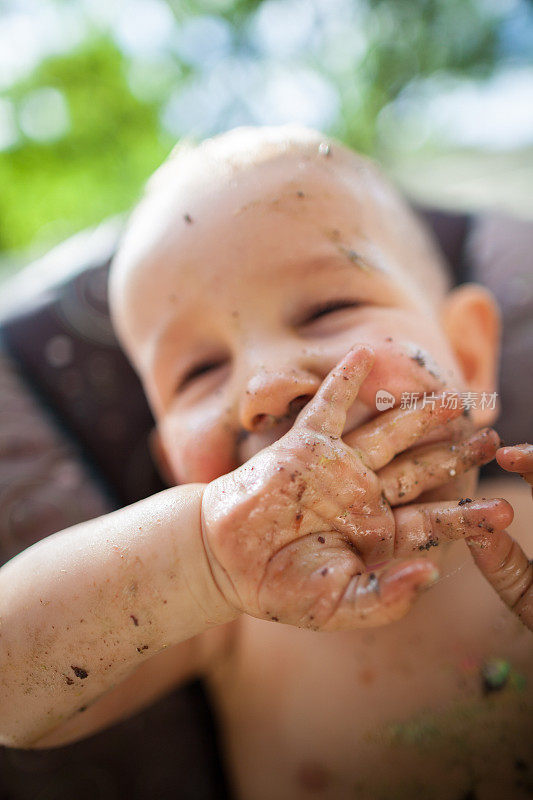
(271, 398)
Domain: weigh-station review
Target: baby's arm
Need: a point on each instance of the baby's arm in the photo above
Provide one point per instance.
(298, 534)
(83, 608)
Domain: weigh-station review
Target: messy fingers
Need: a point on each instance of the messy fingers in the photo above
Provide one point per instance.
(518, 458)
(326, 412)
(382, 596)
(395, 431)
(304, 580)
(319, 582)
(424, 468)
(508, 570)
(426, 525)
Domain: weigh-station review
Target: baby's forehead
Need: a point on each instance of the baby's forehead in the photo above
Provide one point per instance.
(208, 223)
(195, 219)
(185, 202)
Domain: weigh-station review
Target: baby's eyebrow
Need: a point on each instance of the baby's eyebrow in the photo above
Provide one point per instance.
(342, 258)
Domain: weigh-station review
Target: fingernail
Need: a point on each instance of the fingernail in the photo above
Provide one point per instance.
(500, 510)
(516, 449)
(486, 433)
(431, 578)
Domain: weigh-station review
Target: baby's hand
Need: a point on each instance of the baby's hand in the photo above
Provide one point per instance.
(501, 560)
(406, 476)
(289, 534)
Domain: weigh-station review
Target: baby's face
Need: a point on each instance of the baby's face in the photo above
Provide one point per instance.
(248, 293)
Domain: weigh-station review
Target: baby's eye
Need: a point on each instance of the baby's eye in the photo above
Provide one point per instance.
(328, 308)
(198, 370)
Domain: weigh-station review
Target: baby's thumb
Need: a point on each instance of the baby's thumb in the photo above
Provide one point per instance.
(320, 582)
(382, 596)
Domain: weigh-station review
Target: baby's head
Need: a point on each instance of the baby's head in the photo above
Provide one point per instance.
(252, 265)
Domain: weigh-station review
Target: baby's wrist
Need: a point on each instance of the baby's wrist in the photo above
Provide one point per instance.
(212, 499)
(212, 600)
(187, 598)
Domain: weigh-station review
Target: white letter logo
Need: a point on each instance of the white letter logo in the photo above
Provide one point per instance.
(384, 400)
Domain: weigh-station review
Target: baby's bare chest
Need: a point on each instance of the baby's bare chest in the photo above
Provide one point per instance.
(437, 706)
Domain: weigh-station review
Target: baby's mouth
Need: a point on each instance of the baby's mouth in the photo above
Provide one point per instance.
(274, 428)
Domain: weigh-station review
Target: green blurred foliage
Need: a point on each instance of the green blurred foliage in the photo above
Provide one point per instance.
(97, 168)
(115, 139)
(410, 39)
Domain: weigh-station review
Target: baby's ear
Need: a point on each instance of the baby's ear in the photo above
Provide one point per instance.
(471, 321)
(160, 458)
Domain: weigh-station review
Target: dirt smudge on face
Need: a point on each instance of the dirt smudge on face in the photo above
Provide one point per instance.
(333, 234)
(419, 358)
(354, 257)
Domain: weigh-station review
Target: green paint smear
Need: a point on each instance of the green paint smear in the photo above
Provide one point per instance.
(462, 739)
(518, 682)
(419, 732)
(455, 725)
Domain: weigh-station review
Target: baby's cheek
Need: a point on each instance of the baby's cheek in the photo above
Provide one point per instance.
(406, 365)
(201, 453)
(410, 355)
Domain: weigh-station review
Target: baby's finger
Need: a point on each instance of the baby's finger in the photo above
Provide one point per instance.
(392, 432)
(383, 596)
(326, 412)
(518, 458)
(420, 527)
(429, 466)
(508, 570)
(304, 579)
(319, 582)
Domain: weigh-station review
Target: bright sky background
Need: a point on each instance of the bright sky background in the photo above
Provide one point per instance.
(272, 83)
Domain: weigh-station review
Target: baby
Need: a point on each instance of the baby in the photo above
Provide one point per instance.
(270, 285)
